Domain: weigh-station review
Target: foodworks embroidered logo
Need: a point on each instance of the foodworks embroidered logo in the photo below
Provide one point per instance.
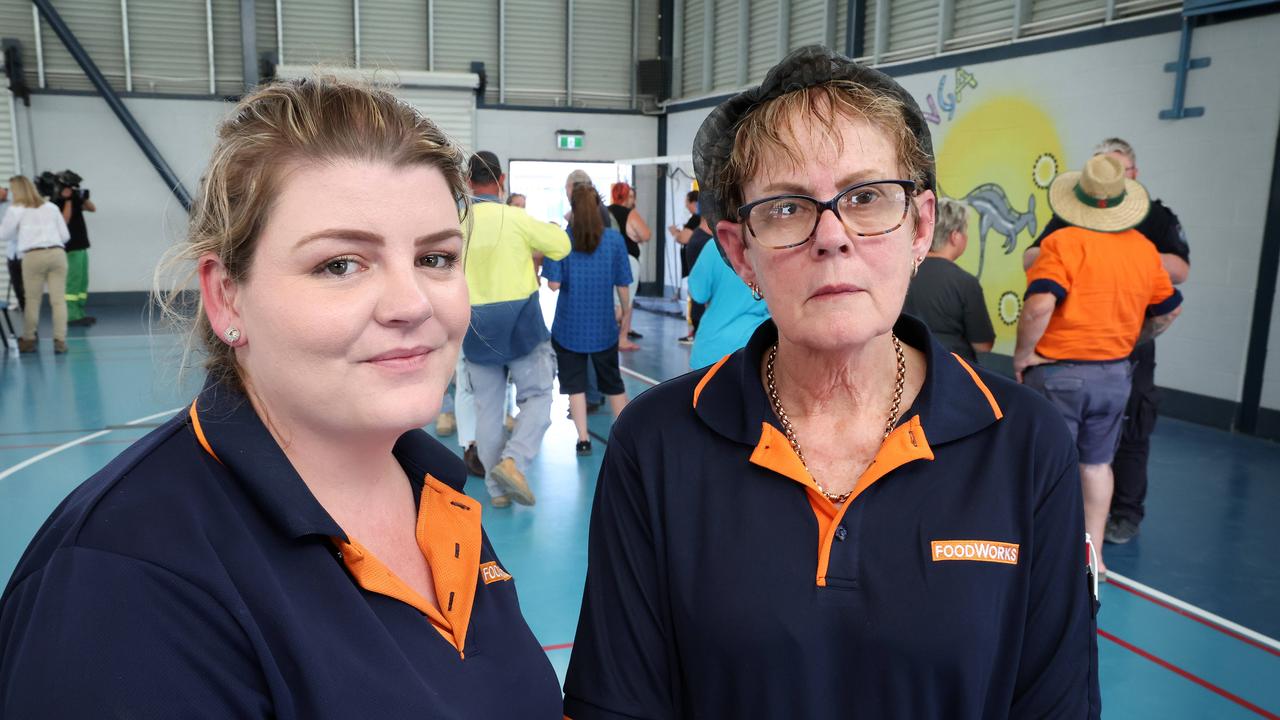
(976, 550)
(492, 573)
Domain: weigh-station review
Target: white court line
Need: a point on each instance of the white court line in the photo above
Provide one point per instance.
(638, 376)
(1197, 611)
(68, 445)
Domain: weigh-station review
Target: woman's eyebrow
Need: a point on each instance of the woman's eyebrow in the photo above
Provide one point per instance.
(366, 236)
(851, 179)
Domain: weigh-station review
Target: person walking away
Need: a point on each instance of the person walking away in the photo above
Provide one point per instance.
(1162, 227)
(634, 231)
(585, 330)
(1097, 289)
(507, 335)
(946, 297)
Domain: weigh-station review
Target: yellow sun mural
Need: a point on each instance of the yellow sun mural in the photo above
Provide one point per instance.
(997, 156)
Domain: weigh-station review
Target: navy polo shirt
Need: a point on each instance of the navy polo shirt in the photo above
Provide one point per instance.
(196, 576)
(721, 584)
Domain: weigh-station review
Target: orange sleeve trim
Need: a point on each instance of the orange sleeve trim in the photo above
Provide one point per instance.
(703, 383)
(995, 407)
(195, 425)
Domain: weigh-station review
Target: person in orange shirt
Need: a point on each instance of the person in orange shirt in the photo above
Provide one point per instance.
(1096, 290)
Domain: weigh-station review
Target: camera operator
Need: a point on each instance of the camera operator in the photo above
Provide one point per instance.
(74, 202)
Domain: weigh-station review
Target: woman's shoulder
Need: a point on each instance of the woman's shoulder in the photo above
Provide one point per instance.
(663, 408)
(147, 496)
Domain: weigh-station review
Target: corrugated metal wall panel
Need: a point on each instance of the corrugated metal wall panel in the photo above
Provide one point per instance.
(808, 21)
(265, 27)
(691, 75)
(602, 53)
(227, 59)
(467, 31)
(393, 34)
(724, 59)
(650, 28)
(8, 140)
(1132, 8)
(981, 21)
(842, 16)
(168, 46)
(16, 22)
(913, 27)
(762, 40)
(453, 110)
(319, 32)
(97, 25)
(536, 52)
(1053, 15)
(869, 30)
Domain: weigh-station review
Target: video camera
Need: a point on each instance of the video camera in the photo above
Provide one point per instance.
(51, 184)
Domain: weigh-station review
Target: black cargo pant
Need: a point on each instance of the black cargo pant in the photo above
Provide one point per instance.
(1130, 463)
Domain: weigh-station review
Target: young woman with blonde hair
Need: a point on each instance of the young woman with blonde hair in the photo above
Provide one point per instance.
(292, 545)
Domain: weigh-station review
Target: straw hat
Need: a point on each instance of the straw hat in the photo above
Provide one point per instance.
(1099, 198)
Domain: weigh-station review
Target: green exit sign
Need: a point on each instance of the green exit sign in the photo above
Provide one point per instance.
(570, 139)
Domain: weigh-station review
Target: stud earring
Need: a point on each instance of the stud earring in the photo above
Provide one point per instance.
(231, 335)
(755, 291)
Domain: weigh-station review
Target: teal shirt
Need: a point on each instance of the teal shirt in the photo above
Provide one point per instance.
(732, 314)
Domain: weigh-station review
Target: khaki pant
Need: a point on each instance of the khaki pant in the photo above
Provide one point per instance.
(46, 265)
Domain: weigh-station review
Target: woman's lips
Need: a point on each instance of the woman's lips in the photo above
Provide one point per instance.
(835, 290)
(401, 358)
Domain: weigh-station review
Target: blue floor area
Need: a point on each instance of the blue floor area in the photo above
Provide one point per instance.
(1208, 539)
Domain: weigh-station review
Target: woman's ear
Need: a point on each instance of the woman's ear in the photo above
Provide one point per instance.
(219, 292)
(732, 240)
(926, 213)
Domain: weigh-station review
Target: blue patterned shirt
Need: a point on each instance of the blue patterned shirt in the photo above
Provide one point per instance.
(584, 319)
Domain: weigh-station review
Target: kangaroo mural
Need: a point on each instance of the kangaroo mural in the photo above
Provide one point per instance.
(995, 213)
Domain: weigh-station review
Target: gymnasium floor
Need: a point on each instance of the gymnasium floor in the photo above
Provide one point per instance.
(1186, 629)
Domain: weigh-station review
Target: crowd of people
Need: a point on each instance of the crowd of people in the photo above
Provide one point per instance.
(793, 503)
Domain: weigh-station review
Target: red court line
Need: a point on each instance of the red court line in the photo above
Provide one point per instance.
(561, 646)
(1193, 678)
(1207, 623)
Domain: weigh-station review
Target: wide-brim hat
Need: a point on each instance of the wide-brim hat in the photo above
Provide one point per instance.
(1099, 197)
(804, 67)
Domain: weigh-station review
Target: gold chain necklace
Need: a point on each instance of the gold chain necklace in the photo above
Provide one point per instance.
(791, 432)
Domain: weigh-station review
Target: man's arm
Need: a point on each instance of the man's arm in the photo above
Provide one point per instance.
(1036, 312)
(1154, 326)
(1029, 257)
(982, 347)
(1177, 268)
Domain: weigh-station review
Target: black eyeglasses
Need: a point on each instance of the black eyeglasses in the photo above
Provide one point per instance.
(870, 208)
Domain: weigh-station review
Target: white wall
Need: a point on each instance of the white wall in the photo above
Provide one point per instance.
(1214, 171)
(1271, 378)
(137, 217)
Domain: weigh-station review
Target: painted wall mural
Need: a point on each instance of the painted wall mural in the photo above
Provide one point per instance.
(997, 152)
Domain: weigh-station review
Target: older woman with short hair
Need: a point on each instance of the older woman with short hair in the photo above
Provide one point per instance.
(842, 518)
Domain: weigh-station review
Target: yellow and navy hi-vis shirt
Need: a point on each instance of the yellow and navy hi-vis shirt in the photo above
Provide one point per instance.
(506, 318)
(721, 584)
(197, 576)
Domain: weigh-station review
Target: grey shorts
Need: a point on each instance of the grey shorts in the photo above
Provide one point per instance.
(1091, 398)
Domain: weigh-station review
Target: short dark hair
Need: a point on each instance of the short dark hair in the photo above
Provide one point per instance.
(486, 168)
(691, 196)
